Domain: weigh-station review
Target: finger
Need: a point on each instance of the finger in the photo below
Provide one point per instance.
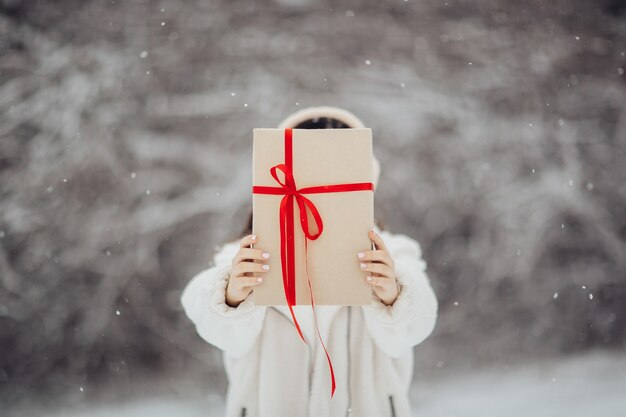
(375, 256)
(249, 267)
(378, 241)
(382, 282)
(249, 281)
(381, 269)
(251, 254)
(247, 241)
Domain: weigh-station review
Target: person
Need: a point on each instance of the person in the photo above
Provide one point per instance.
(271, 371)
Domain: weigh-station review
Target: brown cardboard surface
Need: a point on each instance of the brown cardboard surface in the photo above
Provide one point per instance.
(320, 157)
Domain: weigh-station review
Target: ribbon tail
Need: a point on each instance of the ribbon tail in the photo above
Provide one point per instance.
(286, 259)
(293, 316)
(330, 363)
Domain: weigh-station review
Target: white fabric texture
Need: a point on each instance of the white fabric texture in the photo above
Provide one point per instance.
(273, 373)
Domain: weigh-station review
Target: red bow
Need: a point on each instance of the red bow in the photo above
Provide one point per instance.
(287, 237)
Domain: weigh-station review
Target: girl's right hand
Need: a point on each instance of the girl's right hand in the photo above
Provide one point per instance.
(246, 271)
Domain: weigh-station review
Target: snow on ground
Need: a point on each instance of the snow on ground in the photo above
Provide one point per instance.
(592, 385)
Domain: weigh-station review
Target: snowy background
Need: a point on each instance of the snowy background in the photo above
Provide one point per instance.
(125, 131)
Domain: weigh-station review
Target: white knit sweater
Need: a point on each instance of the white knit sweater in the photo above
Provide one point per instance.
(273, 373)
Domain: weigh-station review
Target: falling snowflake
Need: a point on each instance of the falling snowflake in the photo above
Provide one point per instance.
(555, 295)
(368, 62)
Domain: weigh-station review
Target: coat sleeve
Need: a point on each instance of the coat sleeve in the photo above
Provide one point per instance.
(234, 330)
(411, 318)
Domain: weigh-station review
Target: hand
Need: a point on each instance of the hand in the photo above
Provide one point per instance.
(380, 270)
(246, 269)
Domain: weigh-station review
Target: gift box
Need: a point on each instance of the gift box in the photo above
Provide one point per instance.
(313, 205)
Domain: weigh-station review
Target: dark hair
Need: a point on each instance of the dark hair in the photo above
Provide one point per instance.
(322, 123)
(316, 123)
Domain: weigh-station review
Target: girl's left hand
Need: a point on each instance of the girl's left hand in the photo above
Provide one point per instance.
(380, 270)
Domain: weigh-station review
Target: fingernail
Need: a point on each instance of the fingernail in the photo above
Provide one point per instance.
(360, 255)
(369, 278)
(259, 280)
(363, 266)
(266, 267)
(253, 237)
(266, 255)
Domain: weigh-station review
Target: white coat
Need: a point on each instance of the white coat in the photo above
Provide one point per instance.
(273, 373)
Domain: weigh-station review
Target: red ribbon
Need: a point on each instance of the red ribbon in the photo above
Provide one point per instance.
(290, 191)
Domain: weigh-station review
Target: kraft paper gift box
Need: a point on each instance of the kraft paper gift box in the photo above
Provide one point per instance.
(332, 174)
